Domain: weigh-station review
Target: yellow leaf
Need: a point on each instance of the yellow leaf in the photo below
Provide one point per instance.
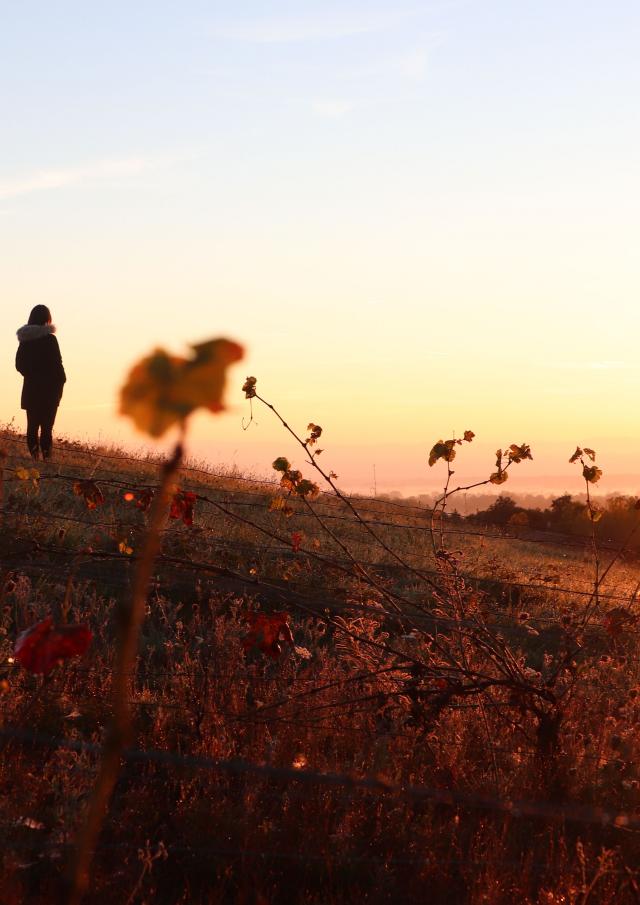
(498, 477)
(28, 474)
(162, 390)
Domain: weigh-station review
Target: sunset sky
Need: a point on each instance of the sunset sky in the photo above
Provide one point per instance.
(418, 217)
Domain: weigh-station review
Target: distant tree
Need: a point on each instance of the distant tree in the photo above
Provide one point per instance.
(568, 515)
(519, 519)
(499, 512)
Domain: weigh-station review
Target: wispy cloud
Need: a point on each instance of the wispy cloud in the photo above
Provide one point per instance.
(612, 365)
(413, 65)
(296, 30)
(95, 173)
(332, 109)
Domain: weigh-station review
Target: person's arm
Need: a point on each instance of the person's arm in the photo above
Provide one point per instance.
(58, 361)
(55, 366)
(20, 359)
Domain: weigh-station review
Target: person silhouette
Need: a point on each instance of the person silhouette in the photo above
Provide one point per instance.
(39, 361)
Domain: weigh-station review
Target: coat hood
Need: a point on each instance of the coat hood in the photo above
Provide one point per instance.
(34, 331)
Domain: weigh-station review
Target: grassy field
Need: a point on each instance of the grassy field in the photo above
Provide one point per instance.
(453, 720)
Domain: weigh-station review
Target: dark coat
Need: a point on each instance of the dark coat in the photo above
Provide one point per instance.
(39, 361)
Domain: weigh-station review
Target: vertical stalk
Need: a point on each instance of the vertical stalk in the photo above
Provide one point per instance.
(3, 458)
(119, 732)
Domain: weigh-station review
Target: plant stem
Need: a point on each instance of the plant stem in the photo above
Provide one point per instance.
(119, 732)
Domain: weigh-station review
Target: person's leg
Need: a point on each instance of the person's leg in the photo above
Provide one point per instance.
(47, 420)
(33, 422)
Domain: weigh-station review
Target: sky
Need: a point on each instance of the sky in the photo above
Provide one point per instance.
(418, 218)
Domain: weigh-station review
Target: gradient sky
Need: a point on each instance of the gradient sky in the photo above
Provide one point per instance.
(418, 218)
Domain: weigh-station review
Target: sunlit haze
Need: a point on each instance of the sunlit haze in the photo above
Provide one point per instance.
(418, 218)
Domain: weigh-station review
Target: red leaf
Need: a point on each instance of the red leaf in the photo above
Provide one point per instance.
(92, 494)
(182, 506)
(296, 540)
(266, 632)
(618, 620)
(44, 645)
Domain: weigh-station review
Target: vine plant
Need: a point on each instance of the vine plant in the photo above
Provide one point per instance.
(466, 651)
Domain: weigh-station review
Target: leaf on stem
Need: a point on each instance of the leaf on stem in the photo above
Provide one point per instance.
(591, 473)
(249, 388)
(293, 481)
(163, 390)
(314, 435)
(267, 633)
(90, 492)
(517, 453)
(443, 449)
(306, 488)
(182, 506)
(40, 648)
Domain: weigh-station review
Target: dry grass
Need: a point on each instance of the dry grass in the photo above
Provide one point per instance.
(179, 834)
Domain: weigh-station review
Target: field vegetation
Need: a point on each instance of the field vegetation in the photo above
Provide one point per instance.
(334, 698)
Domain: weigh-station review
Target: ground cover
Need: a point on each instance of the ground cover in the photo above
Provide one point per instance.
(327, 709)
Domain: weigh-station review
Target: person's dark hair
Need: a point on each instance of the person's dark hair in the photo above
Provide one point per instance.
(40, 315)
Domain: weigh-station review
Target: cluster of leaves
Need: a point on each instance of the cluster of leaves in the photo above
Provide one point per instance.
(591, 473)
(315, 432)
(292, 480)
(249, 388)
(182, 506)
(90, 492)
(446, 449)
(267, 633)
(513, 455)
(40, 648)
(163, 390)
